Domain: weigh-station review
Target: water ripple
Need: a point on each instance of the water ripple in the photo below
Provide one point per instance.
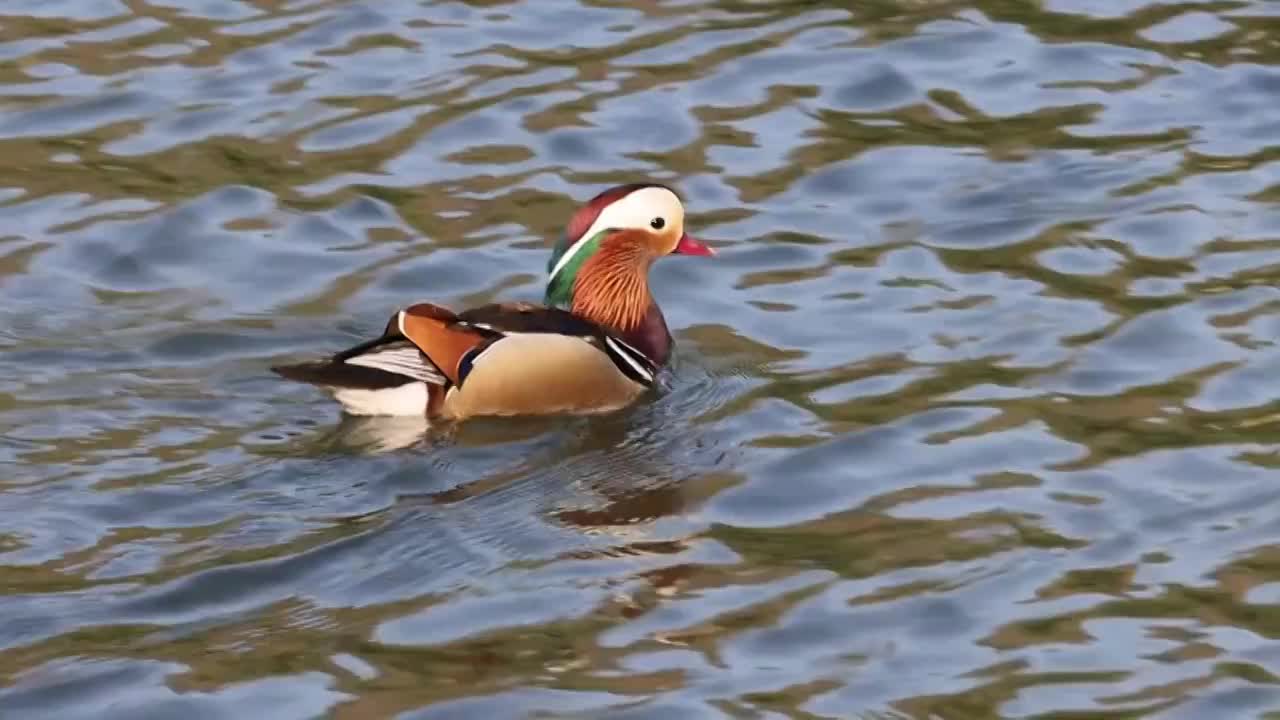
(972, 415)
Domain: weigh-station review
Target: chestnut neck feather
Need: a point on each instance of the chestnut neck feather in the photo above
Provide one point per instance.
(612, 288)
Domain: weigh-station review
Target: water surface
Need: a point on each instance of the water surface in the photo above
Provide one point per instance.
(974, 416)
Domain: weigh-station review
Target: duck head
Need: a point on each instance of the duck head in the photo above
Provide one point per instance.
(600, 268)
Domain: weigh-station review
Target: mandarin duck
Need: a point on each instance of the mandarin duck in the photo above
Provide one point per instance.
(595, 344)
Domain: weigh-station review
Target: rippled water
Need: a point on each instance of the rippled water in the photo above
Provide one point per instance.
(974, 415)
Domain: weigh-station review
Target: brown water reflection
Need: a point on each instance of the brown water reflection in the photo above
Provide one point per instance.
(973, 417)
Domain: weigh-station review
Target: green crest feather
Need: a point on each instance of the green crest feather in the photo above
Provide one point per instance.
(560, 286)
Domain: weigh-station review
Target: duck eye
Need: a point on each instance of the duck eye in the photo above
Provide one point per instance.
(657, 223)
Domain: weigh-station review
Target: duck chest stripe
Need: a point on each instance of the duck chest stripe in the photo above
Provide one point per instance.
(631, 361)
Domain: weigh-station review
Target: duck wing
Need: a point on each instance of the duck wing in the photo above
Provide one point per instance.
(395, 358)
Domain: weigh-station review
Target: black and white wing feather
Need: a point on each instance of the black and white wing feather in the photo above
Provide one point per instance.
(385, 362)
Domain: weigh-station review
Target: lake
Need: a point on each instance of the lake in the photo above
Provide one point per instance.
(973, 416)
